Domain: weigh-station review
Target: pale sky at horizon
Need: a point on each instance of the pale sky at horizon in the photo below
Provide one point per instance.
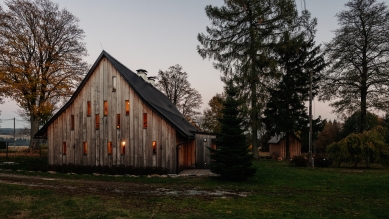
(154, 35)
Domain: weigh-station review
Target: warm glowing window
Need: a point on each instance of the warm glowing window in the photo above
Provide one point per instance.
(85, 148)
(144, 120)
(114, 83)
(105, 108)
(89, 109)
(127, 107)
(122, 147)
(154, 144)
(72, 122)
(97, 119)
(64, 148)
(118, 121)
(109, 147)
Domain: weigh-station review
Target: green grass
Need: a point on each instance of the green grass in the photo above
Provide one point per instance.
(277, 191)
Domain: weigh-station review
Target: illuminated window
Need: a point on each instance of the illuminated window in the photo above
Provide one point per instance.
(114, 83)
(144, 120)
(118, 121)
(72, 122)
(89, 110)
(105, 108)
(64, 148)
(154, 144)
(127, 107)
(97, 118)
(85, 148)
(122, 147)
(109, 147)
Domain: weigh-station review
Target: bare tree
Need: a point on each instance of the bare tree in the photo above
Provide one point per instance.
(174, 84)
(358, 78)
(41, 56)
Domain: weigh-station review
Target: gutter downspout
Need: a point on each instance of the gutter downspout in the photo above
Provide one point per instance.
(177, 147)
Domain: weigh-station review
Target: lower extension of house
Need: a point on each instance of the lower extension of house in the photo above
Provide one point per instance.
(117, 117)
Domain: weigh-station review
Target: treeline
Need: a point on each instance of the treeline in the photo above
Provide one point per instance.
(18, 141)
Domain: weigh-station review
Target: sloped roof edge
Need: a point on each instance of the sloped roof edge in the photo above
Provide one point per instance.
(169, 113)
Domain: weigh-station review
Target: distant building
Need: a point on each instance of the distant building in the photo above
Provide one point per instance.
(277, 146)
(117, 117)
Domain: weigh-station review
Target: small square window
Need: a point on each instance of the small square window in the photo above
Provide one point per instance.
(85, 148)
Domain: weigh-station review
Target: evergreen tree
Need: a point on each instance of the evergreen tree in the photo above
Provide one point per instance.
(297, 57)
(240, 40)
(231, 159)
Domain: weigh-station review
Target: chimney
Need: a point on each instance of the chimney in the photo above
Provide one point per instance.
(142, 73)
(151, 80)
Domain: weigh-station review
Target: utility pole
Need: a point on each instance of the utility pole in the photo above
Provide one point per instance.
(310, 120)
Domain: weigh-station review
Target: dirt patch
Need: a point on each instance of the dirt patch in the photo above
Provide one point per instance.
(111, 188)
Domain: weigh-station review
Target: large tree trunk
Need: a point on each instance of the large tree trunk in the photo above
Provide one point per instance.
(34, 121)
(287, 146)
(254, 122)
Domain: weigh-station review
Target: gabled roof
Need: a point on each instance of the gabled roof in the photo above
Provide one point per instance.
(277, 138)
(150, 95)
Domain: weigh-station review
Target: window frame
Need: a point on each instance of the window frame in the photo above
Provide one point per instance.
(97, 121)
(63, 148)
(144, 120)
(72, 122)
(109, 148)
(89, 109)
(114, 83)
(118, 121)
(105, 105)
(127, 107)
(85, 148)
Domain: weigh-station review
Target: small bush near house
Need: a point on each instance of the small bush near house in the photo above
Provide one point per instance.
(299, 161)
(322, 161)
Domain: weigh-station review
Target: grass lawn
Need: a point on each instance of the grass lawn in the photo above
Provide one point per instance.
(277, 191)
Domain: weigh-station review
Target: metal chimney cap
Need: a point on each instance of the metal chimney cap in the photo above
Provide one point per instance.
(141, 70)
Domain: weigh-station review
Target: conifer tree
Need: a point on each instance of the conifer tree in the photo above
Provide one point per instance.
(297, 57)
(231, 159)
(240, 40)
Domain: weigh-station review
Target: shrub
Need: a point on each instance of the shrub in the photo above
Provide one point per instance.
(299, 161)
(321, 161)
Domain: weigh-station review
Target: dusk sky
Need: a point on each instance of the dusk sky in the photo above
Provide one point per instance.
(155, 35)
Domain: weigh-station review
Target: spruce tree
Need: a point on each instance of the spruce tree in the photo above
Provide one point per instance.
(231, 159)
(240, 39)
(297, 57)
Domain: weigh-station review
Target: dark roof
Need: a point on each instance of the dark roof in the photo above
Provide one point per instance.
(151, 96)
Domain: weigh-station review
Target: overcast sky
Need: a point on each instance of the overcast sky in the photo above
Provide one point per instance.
(154, 35)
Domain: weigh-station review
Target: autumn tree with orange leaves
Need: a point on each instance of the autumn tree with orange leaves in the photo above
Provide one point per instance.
(41, 57)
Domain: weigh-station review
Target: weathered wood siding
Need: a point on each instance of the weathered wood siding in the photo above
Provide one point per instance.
(203, 159)
(138, 140)
(280, 148)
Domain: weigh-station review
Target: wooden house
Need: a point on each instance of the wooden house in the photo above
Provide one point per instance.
(117, 117)
(277, 146)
